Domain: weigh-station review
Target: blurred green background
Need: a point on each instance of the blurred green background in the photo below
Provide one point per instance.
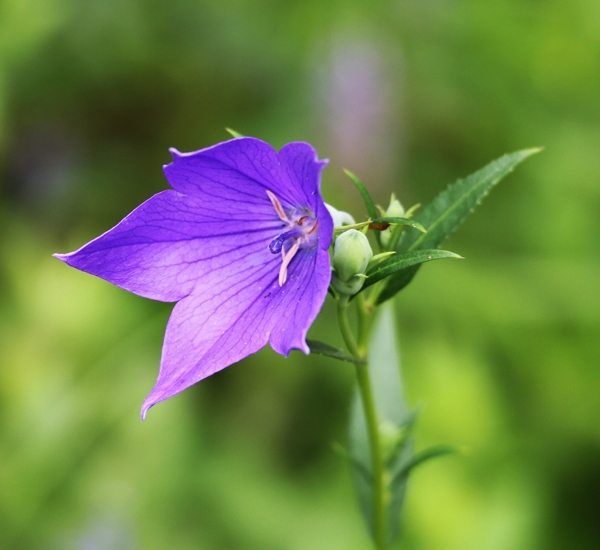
(501, 351)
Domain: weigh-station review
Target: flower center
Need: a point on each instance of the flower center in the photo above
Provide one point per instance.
(301, 232)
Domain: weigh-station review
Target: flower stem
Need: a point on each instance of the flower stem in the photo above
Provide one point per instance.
(359, 350)
(364, 318)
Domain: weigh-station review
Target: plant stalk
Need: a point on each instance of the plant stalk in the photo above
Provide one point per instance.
(359, 348)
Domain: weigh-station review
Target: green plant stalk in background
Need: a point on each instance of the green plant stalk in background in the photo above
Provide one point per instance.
(359, 351)
(381, 442)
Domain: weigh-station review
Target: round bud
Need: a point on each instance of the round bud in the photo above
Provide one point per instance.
(351, 256)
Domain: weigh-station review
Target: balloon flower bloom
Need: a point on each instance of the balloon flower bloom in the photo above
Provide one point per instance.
(240, 242)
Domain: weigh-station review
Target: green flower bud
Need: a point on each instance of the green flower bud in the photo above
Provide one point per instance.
(351, 256)
(395, 210)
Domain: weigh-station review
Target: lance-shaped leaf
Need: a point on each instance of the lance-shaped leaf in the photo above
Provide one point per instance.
(321, 348)
(448, 210)
(369, 204)
(384, 369)
(400, 262)
(403, 469)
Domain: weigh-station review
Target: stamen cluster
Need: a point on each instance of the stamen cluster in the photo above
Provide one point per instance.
(301, 232)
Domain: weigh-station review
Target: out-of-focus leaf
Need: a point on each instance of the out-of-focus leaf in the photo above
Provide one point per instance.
(420, 458)
(322, 348)
(448, 210)
(399, 262)
(358, 467)
(384, 369)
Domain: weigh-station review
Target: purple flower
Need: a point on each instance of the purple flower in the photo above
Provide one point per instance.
(240, 242)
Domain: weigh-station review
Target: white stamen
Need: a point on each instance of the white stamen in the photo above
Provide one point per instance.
(287, 258)
(278, 207)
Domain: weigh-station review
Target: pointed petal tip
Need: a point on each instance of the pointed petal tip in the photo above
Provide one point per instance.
(146, 406)
(62, 257)
(175, 153)
(305, 349)
(300, 344)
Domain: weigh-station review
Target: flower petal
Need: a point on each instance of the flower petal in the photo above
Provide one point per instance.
(211, 330)
(173, 242)
(242, 170)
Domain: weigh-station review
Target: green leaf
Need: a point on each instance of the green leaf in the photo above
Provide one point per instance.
(384, 369)
(234, 133)
(370, 205)
(448, 210)
(399, 262)
(420, 458)
(359, 468)
(322, 348)
(372, 211)
(401, 221)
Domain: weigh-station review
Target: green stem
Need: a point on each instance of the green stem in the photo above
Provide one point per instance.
(371, 301)
(359, 350)
(364, 318)
(345, 328)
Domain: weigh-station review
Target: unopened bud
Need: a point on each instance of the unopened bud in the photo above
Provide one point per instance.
(395, 210)
(351, 256)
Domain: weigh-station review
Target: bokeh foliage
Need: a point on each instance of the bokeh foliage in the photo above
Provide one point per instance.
(502, 350)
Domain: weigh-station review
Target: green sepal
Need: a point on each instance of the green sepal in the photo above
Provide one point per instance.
(400, 221)
(364, 226)
(400, 262)
(448, 210)
(234, 133)
(321, 348)
(412, 210)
